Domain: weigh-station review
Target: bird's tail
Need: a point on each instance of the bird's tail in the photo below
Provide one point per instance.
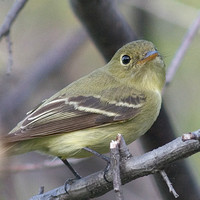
(7, 148)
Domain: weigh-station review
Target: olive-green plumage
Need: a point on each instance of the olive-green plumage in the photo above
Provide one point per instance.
(123, 97)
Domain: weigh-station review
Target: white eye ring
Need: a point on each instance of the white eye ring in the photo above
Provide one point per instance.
(125, 60)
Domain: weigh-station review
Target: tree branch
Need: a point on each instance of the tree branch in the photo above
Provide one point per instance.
(152, 162)
(193, 30)
(10, 57)
(11, 16)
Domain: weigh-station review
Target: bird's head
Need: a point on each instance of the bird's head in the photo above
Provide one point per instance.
(139, 64)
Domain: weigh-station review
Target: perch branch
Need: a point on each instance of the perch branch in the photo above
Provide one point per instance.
(152, 162)
(191, 136)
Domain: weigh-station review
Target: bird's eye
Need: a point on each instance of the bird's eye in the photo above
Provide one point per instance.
(125, 59)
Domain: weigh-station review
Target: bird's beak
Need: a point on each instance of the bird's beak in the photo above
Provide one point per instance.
(150, 55)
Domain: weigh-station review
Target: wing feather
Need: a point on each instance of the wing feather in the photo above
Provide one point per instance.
(75, 113)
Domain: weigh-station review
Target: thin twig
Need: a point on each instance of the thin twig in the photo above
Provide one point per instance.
(11, 16)
(10, 57)
(169, 184)
(115, 163)
(182, 50)
(41, 190)
(123, 149)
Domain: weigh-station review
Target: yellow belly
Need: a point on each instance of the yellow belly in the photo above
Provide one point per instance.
(71, 144)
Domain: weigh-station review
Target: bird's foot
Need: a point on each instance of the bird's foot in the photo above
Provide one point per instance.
(68, 182)
(106, 171)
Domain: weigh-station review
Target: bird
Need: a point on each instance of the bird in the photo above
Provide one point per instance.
(124, 96)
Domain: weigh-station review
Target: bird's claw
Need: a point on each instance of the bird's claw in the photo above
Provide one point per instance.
(105, 172)
(68, 182)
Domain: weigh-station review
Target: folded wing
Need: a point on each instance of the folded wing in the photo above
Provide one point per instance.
(63, 115)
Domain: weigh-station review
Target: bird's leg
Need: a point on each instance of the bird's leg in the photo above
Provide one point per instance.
(103, 157)
(69, 181)
(71, 169)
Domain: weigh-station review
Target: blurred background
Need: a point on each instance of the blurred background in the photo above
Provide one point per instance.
(51, 49)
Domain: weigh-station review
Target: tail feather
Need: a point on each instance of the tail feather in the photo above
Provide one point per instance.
(7, 148)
